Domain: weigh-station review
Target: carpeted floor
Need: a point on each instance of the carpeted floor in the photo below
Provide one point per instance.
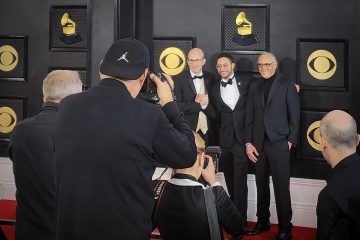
(299, 233)
(7, 211)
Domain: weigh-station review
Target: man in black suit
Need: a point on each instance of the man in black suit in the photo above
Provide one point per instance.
(191, 91)
(230, 96)
(107, 143)
(31, 149)
(272, 123)
(340, 198)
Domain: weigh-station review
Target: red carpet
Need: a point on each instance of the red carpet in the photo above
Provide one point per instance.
(7, 211)
(299, 233)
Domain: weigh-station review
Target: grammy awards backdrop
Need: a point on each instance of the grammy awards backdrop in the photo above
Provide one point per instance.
(314, 49)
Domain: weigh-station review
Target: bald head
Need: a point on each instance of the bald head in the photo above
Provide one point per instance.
(339, 130)
(196, 60)
(196, 53)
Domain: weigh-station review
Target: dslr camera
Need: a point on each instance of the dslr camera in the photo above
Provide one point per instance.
(149, 90)
(215, 153)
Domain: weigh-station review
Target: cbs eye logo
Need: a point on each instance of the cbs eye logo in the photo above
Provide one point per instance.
(321, 64)
(8, 119)
(172, 61)
(313, 135)
(8, 58)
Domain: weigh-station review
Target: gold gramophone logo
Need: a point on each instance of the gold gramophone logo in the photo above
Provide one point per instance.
(313, 135)
(69, 35)
(172, 61)
(321, 64)
(244, 35)
(8, 119)
(9, 58)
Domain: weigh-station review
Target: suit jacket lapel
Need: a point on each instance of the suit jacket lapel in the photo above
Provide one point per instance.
(218, 96)
(261, 92)
(273, 89)
(238, 84)
(191, 82)
(206, 83)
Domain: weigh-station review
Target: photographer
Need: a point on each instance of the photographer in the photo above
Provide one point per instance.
(107, 143)
(181, 210)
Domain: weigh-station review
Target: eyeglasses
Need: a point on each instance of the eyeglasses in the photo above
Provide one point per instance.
(219, 66)
(264, 65)
(194, 60)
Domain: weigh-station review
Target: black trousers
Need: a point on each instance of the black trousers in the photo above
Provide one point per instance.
(234, 164)
(275, 157)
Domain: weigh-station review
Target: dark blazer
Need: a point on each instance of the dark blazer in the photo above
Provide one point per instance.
(106, 148)
(279, 116)
(185, 93)
(182, 213)
(340, 199)
(31, 149)
(232, 121)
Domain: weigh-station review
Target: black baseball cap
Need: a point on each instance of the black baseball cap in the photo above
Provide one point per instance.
(126, 59)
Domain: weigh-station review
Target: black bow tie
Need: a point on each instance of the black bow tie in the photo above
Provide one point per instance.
(223, 83)
(199, 77)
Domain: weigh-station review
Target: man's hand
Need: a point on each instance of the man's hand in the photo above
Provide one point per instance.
(163, 88)
(209, 172)
(202, 99)
(290, 144)
(198, 98)
(252, 153)
(205, 100)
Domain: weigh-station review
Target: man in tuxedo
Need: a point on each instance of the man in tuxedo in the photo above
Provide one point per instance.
(272, 123)
(191, 91)
(339, 201)
(230, 95)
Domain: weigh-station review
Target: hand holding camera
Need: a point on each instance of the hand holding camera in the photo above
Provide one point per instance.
(164, 85)
(208, 172)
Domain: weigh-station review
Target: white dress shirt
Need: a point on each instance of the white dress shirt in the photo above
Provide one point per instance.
(230, 93)
(198, 82)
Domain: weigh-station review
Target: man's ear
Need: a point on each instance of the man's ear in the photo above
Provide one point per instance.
(358, 139)
(322, 142)
(143, 76)
(204, 61)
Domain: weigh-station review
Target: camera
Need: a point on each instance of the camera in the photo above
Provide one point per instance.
(215, 153)
(148, 91)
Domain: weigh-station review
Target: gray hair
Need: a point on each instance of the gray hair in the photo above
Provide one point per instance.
(61, 83)
(270, 55)
(339, 135)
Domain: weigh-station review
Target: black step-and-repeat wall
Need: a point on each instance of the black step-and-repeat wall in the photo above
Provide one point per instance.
(315, 42)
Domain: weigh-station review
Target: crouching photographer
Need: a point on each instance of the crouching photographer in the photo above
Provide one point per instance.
(186, 209)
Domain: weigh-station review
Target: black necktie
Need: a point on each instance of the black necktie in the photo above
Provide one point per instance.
(223, 83)
(199, 77)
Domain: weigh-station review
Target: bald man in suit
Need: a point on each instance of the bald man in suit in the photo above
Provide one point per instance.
(191, 90)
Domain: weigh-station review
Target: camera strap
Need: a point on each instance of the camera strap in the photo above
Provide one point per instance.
(212, 214)
(159, 186)
(158, 191)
